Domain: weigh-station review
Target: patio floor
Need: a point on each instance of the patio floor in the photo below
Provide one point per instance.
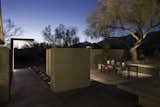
(114, 79)
(29, 91)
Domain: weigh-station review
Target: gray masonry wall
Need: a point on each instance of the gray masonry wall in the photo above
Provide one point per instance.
(4, 74)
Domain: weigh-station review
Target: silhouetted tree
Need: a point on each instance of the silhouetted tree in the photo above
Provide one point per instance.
(134, 17)
(62, 37)
(66, 36)
(37, 51)
(37, 45)
(47, 34)
(10, 29)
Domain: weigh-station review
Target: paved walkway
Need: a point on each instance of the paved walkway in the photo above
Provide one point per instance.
(29, 91)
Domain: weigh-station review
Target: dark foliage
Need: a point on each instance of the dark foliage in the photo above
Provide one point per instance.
(32, 54)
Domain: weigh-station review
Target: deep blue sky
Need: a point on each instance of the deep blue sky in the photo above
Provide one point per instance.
(34, 15)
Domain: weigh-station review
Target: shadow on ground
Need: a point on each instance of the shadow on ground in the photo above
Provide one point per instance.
(99, 95)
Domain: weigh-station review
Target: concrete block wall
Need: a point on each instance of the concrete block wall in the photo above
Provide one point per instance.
(70, 68)
(4, 75)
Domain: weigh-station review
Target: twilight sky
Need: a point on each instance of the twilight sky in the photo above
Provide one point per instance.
(34, 15)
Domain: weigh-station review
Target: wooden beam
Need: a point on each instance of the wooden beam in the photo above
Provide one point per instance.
(22, 39)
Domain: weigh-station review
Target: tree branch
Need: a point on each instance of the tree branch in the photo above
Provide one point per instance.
(156, 25)
(125, 29)
(150, 28)
(137, 44)
(133, 34)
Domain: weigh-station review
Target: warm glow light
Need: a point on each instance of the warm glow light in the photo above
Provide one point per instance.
(123, 64)
(16, 70)
(108, 61)
(20, 44)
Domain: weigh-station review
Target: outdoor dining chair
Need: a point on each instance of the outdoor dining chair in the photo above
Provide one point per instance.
(110, 66)
(120, 67)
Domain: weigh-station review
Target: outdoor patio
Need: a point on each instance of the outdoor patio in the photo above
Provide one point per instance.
(115, 79)
(145, 86)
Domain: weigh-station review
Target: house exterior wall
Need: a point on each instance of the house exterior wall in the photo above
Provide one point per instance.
(4, 74)
(69, 68)
(1, 27)
(48, 61)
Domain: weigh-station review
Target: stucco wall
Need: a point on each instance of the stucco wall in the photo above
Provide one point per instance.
(4, 74)
(93, 58)
(69, 68)
(1, 30)
(48, 61)
(116, 54)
